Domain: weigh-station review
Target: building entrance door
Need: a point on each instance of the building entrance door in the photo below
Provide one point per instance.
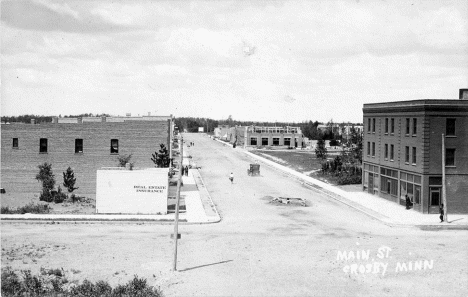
(434, 199)
(370, 189)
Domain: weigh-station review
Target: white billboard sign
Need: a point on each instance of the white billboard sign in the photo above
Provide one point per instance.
(132, 191)
(200, 129)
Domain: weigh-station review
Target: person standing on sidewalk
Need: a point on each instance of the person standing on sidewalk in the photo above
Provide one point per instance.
(408, 201)
(186, 170)
(441, 211)
(231, 177)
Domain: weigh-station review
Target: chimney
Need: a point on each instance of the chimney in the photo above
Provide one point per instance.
(463, 94)
(33, 121)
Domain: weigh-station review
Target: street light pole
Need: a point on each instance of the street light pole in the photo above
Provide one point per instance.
(176, 221)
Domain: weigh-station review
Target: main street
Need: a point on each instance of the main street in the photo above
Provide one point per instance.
(258, 248)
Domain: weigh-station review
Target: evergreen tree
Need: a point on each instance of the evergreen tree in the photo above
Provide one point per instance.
(69, 180)
(47, 178)
(161, 158)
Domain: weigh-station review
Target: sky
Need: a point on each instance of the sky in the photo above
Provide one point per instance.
(289, 61)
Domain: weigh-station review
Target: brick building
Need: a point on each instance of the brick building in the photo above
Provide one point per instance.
(84, 144)
(256, 136)
(403, 152)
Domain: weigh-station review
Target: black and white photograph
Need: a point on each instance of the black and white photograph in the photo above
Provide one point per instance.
(234, 148)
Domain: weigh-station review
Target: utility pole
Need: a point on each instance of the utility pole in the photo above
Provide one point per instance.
(444, 189)
(176, 221)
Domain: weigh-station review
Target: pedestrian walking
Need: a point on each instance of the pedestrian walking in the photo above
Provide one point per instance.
(186, 170)
(408, 201)
(441, 211)
(182, 170)
(231, 178)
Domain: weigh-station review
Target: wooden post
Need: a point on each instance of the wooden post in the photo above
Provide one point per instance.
(176, 221)
(444, 189)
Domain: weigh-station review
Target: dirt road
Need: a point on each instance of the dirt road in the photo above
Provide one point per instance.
(325, 249)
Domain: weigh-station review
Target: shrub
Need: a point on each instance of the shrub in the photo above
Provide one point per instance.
(51, 283)
(349, 179)
(11, 283)
(29, 208)
(59, 196)
(124, 159)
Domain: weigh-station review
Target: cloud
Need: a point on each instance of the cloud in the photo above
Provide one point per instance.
(45, 16)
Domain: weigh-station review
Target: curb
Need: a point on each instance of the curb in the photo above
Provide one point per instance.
(383, 219)
(212, 205)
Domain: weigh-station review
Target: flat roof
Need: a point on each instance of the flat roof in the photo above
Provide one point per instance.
(418, 105)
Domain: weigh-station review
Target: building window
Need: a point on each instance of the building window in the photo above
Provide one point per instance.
(275, 140)
(407, 126)
(264, 141)
(415, 125)
(450, 157)
(253, 141)
(15, 143)
(287, 141)
(368, 148)
(78, 146)
(392, 126)
(406, 154)
(368, 125)
(391, 151)
(450, 127)
(414, 156)
(373, 149)
(386, 125)
(43, 145)
(114, 149)
(386, 151)
(373, 125)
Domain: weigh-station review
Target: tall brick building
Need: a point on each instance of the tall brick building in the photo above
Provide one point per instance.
(84, 144)
(403, 152)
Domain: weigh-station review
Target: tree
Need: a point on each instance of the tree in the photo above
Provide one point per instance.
(355, 143)
(69, 180)
(47, 178)
(321, 150)
(161, 158)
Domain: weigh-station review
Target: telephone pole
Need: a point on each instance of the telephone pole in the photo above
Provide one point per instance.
(444, 188)
(176, 221)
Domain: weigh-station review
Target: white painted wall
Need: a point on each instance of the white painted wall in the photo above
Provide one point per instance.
(132, 191)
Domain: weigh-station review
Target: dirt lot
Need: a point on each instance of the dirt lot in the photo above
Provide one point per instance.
(259, 248)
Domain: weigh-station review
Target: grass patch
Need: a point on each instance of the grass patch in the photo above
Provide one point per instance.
(297, 160)
(52, 282)
(29, 208)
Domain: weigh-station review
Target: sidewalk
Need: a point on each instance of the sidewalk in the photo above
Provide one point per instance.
(200, 208)
(390, 213)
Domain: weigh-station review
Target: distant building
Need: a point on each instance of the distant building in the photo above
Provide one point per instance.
(260, 136)
(84, 144)
(402, 152)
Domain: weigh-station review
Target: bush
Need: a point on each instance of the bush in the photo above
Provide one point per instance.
(51, 282)
(59, 196)
(349, 179)
(29, 208)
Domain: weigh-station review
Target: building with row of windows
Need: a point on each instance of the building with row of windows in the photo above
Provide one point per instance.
(84, 144)
(403, 152)
(262, 136)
